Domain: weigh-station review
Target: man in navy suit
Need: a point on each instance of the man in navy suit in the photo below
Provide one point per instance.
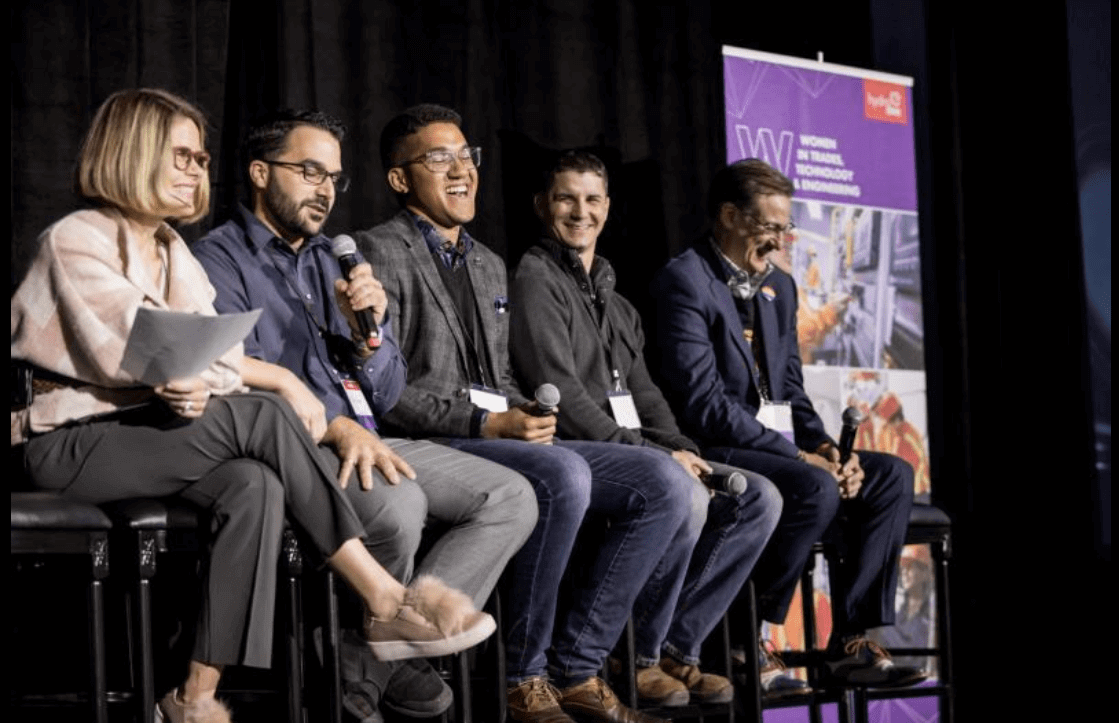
(726, 332)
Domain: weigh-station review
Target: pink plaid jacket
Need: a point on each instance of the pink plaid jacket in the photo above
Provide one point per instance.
(73, 312)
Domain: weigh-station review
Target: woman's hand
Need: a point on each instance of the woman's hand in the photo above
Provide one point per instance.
(275, 378)
(186, 397)
(307, 406)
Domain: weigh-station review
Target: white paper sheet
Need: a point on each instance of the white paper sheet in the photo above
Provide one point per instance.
(167, 345)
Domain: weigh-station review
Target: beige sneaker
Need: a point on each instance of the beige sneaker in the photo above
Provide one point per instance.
(536, 701)
(703, 687)
(410, 635)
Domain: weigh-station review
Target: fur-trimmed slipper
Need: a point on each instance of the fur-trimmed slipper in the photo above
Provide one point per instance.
(172, 710)
(434, 620)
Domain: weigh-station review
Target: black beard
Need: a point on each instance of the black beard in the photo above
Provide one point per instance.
(285, 215)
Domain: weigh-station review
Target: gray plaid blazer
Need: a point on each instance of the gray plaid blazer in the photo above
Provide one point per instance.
(428, 331)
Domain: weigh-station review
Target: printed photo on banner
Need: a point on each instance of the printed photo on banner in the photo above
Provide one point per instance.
(858, 273)
(893, 405)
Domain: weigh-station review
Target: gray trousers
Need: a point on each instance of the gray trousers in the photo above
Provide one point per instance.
(484, 512)
(247, 460)
(245, 500)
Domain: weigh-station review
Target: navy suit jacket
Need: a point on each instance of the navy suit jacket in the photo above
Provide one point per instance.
(708, 365)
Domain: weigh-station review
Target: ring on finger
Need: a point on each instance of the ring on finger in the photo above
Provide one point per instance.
(188, 407)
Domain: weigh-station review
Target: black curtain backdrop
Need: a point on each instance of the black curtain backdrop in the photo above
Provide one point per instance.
(636, 77)
(641, 82)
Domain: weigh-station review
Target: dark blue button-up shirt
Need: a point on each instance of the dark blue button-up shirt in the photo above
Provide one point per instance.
(301, 327)
(452, 253)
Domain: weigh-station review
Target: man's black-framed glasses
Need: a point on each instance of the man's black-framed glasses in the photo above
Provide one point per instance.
(182, 156)
(772, 228)
(315, 175)
(439, 160)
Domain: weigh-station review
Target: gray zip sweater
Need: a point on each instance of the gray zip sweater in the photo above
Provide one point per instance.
(570, 329)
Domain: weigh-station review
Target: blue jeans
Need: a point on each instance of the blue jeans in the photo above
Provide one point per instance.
(871, 528)
(703, 569)
(638, 491)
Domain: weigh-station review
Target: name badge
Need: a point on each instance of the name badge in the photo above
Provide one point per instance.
(359, 405)
(623, 409)
(777, 416)
(488, 399)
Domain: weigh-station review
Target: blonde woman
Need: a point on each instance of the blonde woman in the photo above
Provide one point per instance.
(95, 433)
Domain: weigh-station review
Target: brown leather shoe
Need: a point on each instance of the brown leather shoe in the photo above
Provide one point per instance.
(657, 688)
(592, 701)
(536, 701)
(703, 687)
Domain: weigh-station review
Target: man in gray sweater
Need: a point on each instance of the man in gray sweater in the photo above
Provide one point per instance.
(570, 328)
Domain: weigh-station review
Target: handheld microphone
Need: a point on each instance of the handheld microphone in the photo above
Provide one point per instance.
(547, 399)
(731, 483)
(345, 250)
(852, 418)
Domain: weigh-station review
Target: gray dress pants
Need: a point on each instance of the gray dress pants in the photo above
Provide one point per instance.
(479, 513)
(153, 455)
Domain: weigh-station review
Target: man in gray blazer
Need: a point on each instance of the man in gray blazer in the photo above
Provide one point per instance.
(450, 313)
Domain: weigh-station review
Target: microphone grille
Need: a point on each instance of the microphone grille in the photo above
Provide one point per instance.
(736, 483)
(343, 245)
(547, 396)
(852, 417)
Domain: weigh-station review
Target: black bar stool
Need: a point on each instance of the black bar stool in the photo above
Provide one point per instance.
(928, 525)
(150, 527)
(46, 526)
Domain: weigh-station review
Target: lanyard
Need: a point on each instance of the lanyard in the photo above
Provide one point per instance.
(308, 307)
(757, 347)
(595, 306)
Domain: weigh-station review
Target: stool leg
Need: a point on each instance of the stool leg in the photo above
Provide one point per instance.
(629, 665)
(294, 651)
(147, 548)
(728, 667)
(499, 656)
(147, 658)
(99, 697)
(331, 657)
(460, 674)
(293, 565)
(753, 708)
(941, 553)
(808, 613)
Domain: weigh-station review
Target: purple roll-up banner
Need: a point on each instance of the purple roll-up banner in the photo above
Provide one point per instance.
(841, 134)
(844, 136)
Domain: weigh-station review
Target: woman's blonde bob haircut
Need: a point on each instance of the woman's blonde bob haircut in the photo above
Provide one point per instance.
(126, 146)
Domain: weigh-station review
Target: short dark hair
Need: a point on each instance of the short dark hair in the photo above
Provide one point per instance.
(408, 123)
(743, 182)
(579, 162)
(268, 135)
